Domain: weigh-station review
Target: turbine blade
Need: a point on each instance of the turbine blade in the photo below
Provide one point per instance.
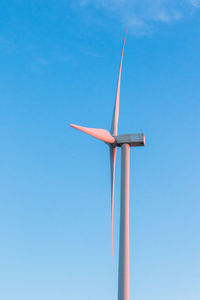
(114, 126)
(113, 152)
(100, 134)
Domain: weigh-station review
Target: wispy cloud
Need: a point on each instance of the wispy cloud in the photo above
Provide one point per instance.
(195, 3)
(142, 15)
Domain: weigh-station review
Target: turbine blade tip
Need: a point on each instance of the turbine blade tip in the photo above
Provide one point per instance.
(73, 125)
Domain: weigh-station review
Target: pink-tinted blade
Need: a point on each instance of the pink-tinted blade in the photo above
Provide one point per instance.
(114, 126)
(100, 134)
(113, 152)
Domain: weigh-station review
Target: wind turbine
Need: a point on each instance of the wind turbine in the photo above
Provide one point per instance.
(124, 141)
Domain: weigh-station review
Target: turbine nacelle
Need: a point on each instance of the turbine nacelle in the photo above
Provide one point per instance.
(133, 140)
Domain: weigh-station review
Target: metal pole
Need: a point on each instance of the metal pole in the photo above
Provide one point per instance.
(123, 279)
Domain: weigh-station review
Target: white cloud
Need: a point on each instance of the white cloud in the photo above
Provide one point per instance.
(141, 15)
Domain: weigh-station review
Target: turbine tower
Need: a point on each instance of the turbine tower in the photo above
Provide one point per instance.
(124, 141)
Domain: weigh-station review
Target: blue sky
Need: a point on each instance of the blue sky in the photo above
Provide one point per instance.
(59, 65)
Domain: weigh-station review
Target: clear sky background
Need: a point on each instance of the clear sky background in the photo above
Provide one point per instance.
(59, 64)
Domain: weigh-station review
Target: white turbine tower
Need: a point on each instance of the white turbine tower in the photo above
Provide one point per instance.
(125, 141)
